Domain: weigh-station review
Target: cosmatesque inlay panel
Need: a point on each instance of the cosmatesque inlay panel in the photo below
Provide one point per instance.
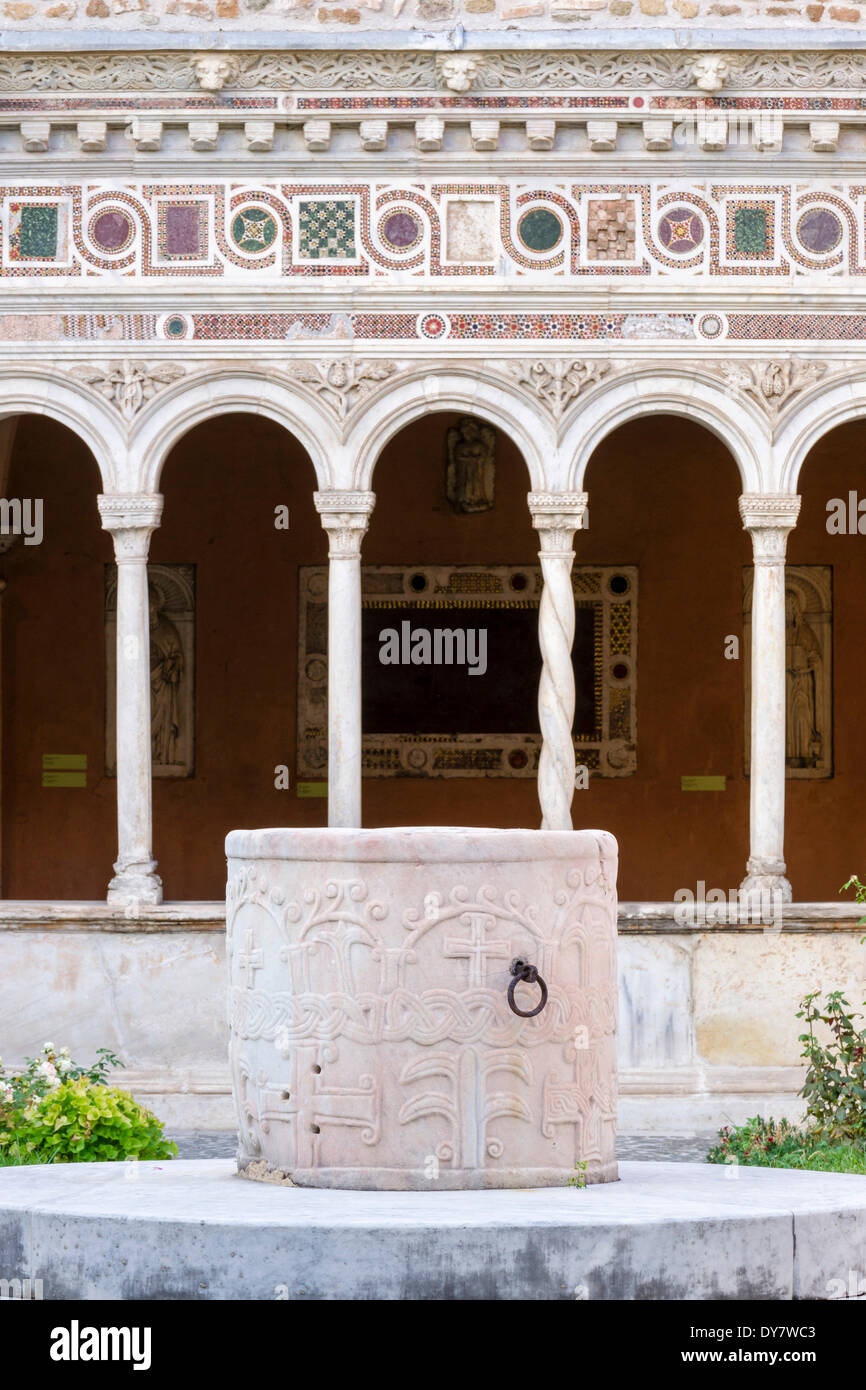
(367, 231)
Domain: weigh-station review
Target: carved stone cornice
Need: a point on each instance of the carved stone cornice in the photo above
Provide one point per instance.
(772, 384)
(341, 383)
(128, 384)
(320, 70)
(558, 381)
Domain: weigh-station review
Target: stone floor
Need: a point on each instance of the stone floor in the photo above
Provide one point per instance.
(194, 1230)
(657, 1148)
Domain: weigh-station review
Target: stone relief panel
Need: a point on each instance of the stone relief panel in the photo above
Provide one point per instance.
(172, 669)
(328, 69)
(425, 714)
(470, 473)
(808, 666)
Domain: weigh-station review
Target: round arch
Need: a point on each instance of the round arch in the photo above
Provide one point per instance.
(430, 392)
(817, 412)
(742, 428)
(82, 411)
(181, 407)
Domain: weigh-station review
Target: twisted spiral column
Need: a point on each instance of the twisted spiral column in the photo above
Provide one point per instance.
(556, 517)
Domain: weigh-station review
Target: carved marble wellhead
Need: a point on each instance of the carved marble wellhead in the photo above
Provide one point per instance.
(372, 1040)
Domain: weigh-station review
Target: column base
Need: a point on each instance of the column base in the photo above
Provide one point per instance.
(765, 881)
(138, 883)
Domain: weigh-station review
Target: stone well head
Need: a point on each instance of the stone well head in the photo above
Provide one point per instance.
(373, 1044)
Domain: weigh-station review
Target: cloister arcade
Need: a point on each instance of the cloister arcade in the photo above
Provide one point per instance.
(342, 449)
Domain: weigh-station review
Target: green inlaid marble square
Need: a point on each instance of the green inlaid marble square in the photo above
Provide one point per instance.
(751, 232)
(326, 230)
(37, 237)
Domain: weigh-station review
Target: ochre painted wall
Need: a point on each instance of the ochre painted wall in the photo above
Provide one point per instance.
(663, 496)
(57, 842)
(825, 820)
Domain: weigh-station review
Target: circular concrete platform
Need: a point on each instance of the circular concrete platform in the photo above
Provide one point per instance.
(195, 1230)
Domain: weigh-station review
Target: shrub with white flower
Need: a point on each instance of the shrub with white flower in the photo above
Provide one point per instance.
(55, 1111)
(21, 1091)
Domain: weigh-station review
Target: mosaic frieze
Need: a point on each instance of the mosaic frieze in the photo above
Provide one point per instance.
(433, 229)
(456, 329)
(453, 330)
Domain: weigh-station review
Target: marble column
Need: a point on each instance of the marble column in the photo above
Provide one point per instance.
(556, 517)
(131, 519)
(345, 517)
(768, 519)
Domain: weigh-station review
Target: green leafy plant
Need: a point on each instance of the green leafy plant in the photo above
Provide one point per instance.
(56, 1111)
(779, 1144)
(756, 1141)
(79, 1121)
(12, 1157)
(579, 1179)
(835, 1086)
(834, 1137)
(859, 897)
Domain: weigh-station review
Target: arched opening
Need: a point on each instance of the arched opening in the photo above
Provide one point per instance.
(451, 517)
(238, 526)
(825, 582)
(663, 496)
(58, 805)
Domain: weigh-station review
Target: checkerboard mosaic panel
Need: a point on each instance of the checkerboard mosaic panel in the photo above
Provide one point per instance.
(326, 229)
(567, 230)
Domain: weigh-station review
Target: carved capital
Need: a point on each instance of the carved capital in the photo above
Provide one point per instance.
(131, 517)
(769, 517)
(345, 517)
(556, 516)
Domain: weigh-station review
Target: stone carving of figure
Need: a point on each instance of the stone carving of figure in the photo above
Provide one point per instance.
(166, 674)
(803, 662)
(214, 70)
(710, 71)
(458, 71)
(471, 470)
